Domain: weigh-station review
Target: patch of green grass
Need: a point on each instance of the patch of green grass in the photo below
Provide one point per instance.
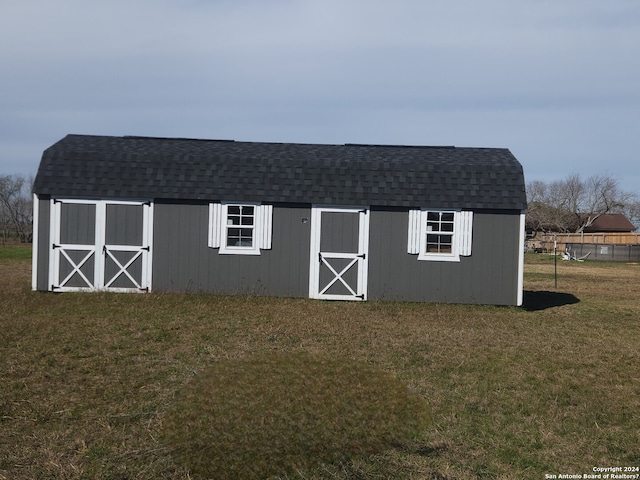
(15, 252)
(279, 414)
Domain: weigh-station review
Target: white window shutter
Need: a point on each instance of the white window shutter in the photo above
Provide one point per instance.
(413, 237)
(266, 222)
(215, 224)
(465, 229)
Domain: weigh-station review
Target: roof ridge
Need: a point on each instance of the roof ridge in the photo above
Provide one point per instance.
(398, 146)
(143, 137)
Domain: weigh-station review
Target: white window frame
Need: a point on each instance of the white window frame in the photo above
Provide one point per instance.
(219, 226)
(225, 226)
(461, 235)
(452, 256)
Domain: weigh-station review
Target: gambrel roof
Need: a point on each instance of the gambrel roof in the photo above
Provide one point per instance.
(188, 169)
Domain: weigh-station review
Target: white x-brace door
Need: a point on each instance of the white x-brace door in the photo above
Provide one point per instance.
(100, 245)
(339, 250)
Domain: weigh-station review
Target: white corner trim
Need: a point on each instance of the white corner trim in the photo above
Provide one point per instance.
(34, 244)
(520, 299)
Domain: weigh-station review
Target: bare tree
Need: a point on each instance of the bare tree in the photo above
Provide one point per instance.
(573, 204)
(16, 207)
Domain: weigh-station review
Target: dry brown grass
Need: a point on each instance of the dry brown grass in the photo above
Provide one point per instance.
(515, 393)
(281, 413)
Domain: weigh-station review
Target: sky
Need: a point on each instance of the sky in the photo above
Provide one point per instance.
(557, 82)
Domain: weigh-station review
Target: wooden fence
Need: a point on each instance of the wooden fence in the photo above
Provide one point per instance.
(545, 241)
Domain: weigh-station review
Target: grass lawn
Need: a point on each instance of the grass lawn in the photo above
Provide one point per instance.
(88, 380)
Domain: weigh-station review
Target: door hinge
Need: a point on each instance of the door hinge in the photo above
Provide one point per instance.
(361, 297)
(54, 246)
(363, 256)
(145, 248)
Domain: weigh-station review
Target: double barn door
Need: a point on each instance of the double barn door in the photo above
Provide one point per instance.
(100, 245)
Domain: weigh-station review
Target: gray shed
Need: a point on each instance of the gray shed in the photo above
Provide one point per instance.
(342, 222)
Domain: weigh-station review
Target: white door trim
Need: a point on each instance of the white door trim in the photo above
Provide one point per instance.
(360, 258)
(100, 250)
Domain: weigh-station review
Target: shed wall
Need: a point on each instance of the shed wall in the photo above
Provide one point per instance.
(182, 261)
(44, 244)
(489, 276)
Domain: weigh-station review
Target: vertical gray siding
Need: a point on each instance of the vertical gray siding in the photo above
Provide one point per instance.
(44, 245)
(182, 261)
(78, 224)
(488, 276)
(124, 224)
(339, 232)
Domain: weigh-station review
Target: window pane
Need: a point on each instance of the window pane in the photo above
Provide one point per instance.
(447, 216)
(234, 209)
(433, 216)
(247, 210)
(447, 227)
(439, 243)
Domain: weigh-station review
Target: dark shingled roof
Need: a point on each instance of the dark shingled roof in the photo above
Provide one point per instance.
(611, 222)
(187, 169)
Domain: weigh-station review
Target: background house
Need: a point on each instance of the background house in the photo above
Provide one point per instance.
(611, 223)
(352, 222)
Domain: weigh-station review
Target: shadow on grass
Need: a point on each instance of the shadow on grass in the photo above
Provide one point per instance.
(541, 300)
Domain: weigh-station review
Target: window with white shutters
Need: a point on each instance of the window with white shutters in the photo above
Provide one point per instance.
(240, 228)
(440, 235)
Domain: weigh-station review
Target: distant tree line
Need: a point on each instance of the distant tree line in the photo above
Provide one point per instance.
(573, 204)
(16, 208)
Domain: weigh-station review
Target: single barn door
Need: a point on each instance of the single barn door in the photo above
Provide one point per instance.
(100, 245)
(74, 247)
(339, 243)
(126, 247)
